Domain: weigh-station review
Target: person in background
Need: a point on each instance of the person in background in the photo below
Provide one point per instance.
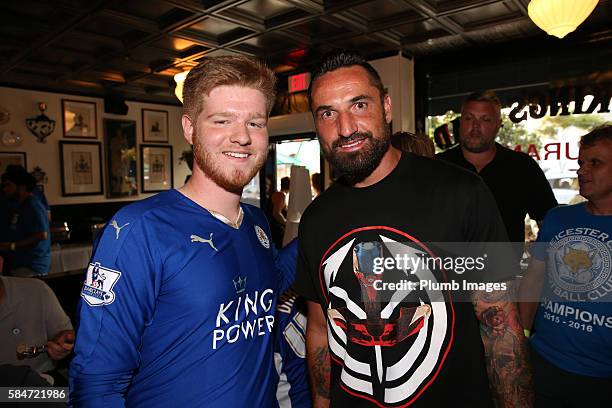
(515, 179)
(36, 192)
(277, 214)
(315, 180)
(571, 274)
(178, 305)
(26, 241)
(31, 315)
(290, 352)
(367, 346)
(409, 142)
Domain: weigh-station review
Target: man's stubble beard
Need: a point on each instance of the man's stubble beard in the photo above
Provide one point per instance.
(235, 181)
(481, 147)
(356, 167)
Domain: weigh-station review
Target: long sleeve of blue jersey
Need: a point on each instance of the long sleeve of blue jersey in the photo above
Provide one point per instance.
(285, 261)
(117, 302)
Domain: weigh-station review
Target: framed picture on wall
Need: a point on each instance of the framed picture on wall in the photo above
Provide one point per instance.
(8, 158)
(156, 171)
(79, 119)
(81, 168)
(154, 126)
(120, 145)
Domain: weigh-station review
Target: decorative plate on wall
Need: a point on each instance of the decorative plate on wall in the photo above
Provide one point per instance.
(9, 138)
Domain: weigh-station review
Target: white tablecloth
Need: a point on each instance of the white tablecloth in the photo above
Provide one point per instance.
(69, 258)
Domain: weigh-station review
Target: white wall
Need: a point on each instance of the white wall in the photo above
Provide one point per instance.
(23, 104)
(397, 74)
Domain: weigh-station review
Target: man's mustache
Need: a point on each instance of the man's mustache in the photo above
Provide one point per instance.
(357, 136)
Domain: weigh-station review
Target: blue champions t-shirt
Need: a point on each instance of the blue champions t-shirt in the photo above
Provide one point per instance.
(25, 219)
(177, 309)
(573, 326)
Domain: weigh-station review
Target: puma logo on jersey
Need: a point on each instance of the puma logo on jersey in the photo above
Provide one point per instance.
(117, 227)
(195, 238)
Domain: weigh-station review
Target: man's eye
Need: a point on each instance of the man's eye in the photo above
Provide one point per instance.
(361, 105)
(256, 125)
(326, 114)
(221, 122)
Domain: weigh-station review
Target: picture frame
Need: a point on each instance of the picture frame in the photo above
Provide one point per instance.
(79, 119)
(81, 168)
(120, 145)
(8, 158)
(156, 168)
(155, 126)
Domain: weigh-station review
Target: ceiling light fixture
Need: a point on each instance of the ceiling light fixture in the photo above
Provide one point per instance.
(180, 80)
(560, 17)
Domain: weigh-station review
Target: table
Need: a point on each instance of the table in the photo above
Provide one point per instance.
(69, 257)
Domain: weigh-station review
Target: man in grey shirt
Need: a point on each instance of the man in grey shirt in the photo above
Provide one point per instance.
(30, 314)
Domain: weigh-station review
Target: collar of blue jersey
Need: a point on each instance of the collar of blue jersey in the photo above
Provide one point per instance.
(226, 221)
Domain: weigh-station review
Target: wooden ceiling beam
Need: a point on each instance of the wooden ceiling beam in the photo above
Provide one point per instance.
(132, 21)
(496, 21)
(70, 24)
(193, 6)
(431, 12)
(243, 20)
(519, 4)
(396, 20)
(310, 6)
(197, 37)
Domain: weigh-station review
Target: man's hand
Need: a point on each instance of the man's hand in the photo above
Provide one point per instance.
(530, 291)
(505, 347)
(317, 355)
(61, 346)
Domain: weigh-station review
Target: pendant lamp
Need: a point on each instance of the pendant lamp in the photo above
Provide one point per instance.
(180, 80)
(560, 17)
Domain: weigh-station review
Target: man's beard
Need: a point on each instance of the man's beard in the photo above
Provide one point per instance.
(354, 167)
(232, 181)
(483, 145)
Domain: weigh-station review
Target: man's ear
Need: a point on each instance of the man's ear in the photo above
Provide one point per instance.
(388, 108)
(188, 129)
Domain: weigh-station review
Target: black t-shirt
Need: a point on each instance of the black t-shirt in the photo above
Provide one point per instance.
(408, 350)
(517, 183)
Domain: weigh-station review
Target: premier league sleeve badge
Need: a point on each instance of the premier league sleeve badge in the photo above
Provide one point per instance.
(98, 287)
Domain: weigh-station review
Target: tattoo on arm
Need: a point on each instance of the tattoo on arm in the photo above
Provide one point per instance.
(505, 347)
(321, 371)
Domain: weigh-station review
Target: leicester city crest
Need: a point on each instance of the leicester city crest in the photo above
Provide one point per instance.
(263, 238)
(98, 287)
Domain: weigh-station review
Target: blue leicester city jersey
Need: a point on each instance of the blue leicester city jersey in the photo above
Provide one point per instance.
(574, 319)
(177, 309)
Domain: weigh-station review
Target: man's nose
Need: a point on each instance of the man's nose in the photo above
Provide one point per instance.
(241, 135)
(346, 124)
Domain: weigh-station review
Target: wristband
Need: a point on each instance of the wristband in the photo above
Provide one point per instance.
(527, 333)
(12, 246)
